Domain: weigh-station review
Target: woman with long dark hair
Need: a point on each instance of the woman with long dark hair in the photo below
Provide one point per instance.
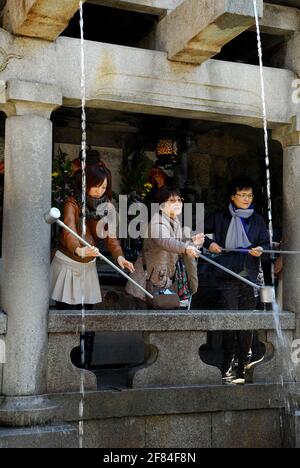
(74, 275)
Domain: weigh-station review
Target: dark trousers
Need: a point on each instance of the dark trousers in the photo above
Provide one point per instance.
(86, 339)
(236, 295)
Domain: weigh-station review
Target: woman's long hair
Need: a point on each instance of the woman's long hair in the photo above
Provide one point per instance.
(95, 175)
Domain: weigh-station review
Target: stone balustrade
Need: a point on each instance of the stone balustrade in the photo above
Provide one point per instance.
(173, 339)
(176, 399)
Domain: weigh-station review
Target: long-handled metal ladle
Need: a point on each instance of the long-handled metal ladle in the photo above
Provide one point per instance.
(267, 293)
(278, 252)
(53, 216)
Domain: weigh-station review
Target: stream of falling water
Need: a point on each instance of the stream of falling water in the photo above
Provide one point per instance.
(83, 167)
(265, 123)
(282, 345)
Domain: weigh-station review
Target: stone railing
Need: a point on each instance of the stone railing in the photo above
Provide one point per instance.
(175, 399)
(173, 339)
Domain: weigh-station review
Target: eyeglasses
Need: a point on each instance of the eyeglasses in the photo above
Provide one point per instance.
(245, 196)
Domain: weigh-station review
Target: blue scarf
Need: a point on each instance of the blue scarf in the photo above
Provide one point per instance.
(236, 236)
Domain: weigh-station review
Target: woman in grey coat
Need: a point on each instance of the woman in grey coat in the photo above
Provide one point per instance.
(163, 245)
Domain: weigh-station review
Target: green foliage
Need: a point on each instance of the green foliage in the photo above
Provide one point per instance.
(62, 179)
(136, 173)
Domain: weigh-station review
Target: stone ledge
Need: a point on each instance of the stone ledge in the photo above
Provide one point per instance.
(70, 321)
(54, 436)
(18, 90)
(172, 400)
(26, 411)
(218, 91)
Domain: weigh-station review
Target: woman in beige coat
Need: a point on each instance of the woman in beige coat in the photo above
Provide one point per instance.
(163, 245)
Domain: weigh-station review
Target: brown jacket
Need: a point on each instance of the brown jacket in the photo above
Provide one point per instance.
(161, 251)
(69, 243)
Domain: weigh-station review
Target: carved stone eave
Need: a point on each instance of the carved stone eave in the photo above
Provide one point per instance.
(197, 30)
(44, 19)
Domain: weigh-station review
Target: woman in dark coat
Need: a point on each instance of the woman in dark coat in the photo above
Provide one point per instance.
(238, 227)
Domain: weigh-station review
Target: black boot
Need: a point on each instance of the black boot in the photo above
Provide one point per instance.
(226, 368)
(240, 372)
(88, 339)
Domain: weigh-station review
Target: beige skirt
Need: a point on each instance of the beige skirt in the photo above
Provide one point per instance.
(70, 281)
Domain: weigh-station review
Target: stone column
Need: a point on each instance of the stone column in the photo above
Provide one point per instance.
(292, 53)
(289, 137)
(26, 243)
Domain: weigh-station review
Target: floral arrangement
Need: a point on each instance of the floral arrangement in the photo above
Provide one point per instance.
(147, 189)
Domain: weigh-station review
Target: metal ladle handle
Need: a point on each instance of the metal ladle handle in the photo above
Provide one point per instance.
(267, 293)
(279, 252)
(230, 272)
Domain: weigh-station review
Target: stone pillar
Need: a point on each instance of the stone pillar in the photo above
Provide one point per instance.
(289, 137)
(292, 53)
(26, 240)
(288, 54)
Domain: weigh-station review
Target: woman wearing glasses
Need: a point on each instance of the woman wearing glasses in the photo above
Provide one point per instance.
(238, 227)
(163, 244)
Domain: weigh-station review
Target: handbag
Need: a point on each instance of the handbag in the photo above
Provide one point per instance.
(163, 298)
(191, 266)
(182, 280)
